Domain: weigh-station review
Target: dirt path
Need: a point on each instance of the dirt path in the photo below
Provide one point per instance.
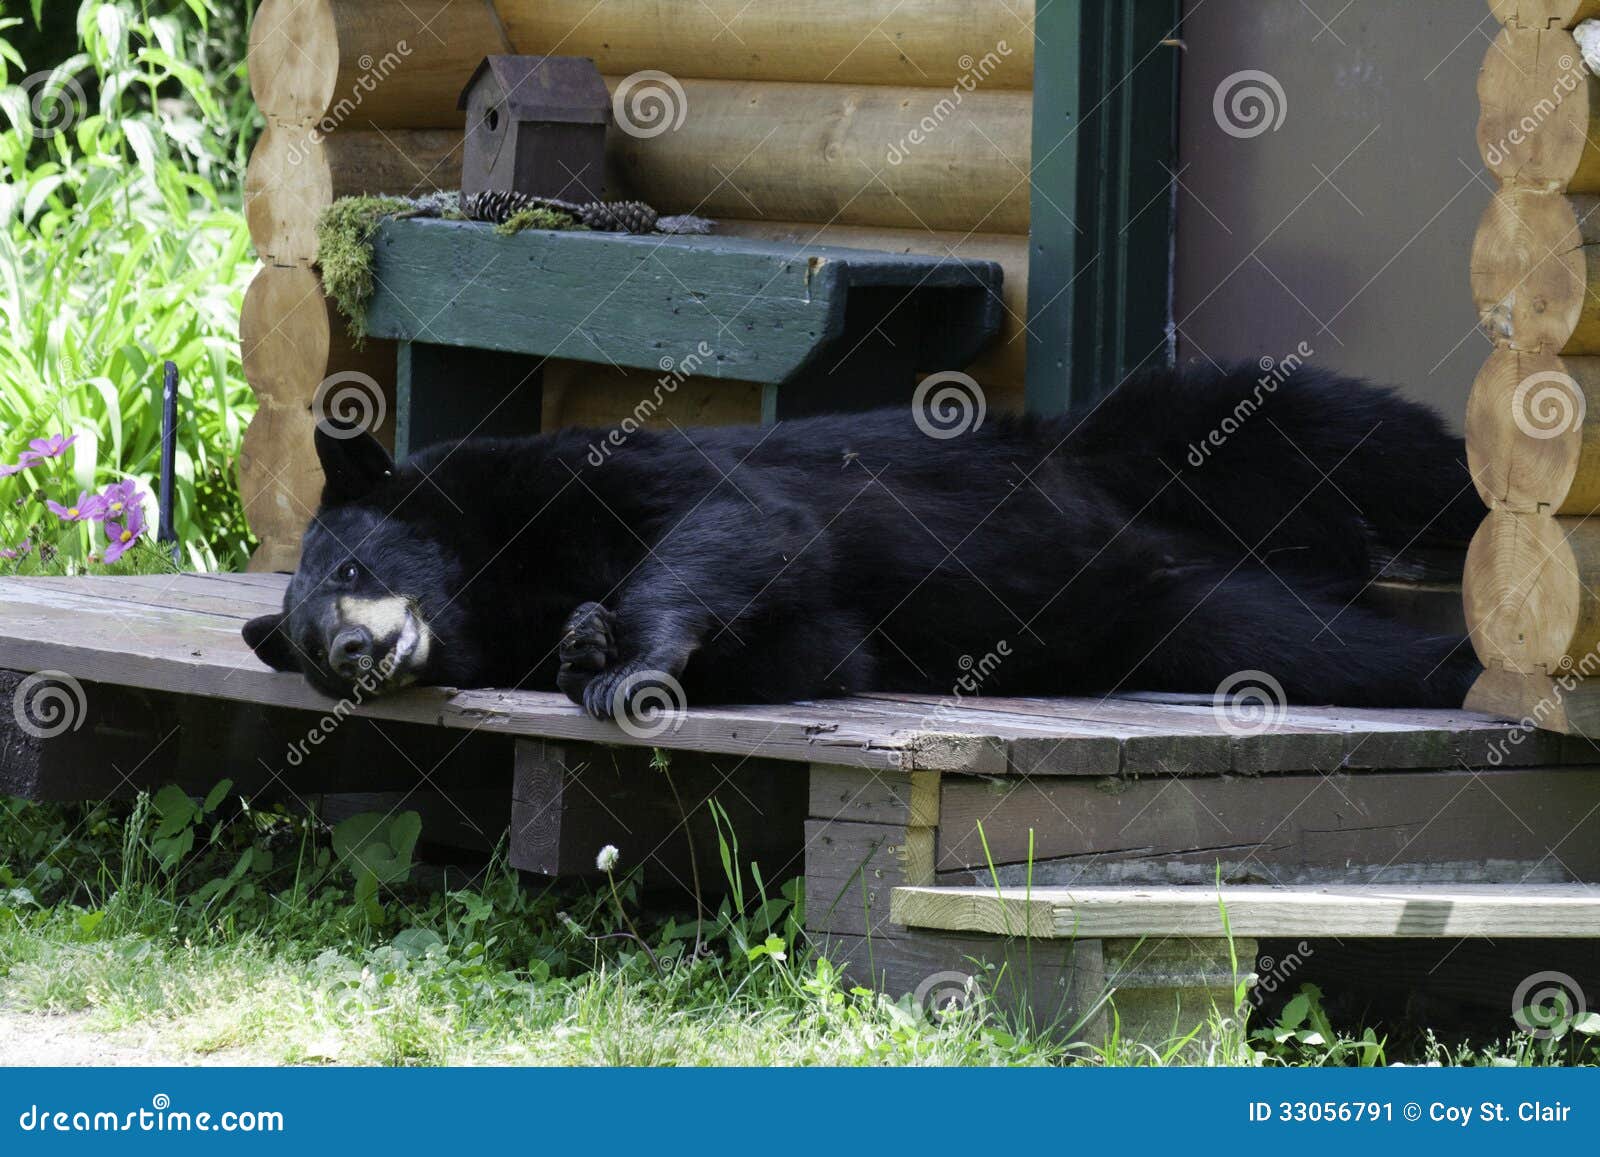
(30, 1039)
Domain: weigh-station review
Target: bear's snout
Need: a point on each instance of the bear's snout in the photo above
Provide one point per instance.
(351, 653)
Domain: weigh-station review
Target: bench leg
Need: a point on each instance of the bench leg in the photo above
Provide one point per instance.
(448, 392)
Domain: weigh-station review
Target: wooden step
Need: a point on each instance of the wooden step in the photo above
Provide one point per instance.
(1402, 912)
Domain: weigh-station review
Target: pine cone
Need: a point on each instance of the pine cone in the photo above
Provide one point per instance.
(497, 206)
(618, 216)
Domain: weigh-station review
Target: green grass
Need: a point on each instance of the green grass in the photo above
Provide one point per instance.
(215, 929)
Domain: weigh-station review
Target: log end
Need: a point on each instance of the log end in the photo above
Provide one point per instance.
(1529, 271)
(294, 58)
(1526, 432)
(286, 186)
(1524, 601)
(1538, 107)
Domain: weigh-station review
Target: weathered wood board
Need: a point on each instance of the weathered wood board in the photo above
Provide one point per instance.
(851, 869)
(84, 740)
(1056, 987)
(1537, 824)
(764, 309)
(1403, 912)
(180, 634)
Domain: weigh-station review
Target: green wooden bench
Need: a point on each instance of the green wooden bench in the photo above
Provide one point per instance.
(822, 328)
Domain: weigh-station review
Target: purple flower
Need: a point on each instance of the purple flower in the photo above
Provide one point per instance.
(123, 535)
(21, 550)
(119, 496)
(8, 469)
(52, 447)
(88, 508)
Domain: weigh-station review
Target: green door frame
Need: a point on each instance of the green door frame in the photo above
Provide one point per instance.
(1105, 118)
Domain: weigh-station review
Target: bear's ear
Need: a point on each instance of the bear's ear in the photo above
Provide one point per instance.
(271, 645)
(353, 463)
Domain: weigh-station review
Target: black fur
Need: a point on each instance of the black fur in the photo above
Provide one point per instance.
(1187, 528)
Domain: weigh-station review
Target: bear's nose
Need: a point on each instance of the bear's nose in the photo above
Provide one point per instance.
(351, 652)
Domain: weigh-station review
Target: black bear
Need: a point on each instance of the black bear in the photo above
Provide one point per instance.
(1186, 528)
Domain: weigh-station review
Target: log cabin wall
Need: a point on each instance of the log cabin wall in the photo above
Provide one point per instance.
(1533, 430)
(891, 124)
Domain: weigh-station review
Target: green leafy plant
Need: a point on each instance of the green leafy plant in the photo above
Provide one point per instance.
(377, 850)
(1304, 1035)
(122, 245)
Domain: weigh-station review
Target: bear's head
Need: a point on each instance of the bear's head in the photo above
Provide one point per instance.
(375, 597)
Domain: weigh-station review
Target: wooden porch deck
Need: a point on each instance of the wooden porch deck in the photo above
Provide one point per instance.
(864, 795)
(179, 634)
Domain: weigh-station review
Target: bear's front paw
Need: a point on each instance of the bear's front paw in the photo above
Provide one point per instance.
(588, 647)
(637, 697)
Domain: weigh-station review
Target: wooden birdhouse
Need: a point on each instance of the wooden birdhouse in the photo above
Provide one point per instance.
(536, 125)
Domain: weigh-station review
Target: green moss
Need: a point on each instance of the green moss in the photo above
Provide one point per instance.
(346, 229)
(537, 217)
(344, 252)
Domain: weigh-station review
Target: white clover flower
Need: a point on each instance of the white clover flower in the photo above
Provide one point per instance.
(608, 857)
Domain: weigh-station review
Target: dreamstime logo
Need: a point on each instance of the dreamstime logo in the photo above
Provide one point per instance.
(1571, 677)
(1547, 405)
(1572, 79)
(1546, 1004)
(49, 703)
(1268, 976)
(948, 405)
(54, 106)
(650, 103)
(1274, 372)
(348, 404)
(947, 994)
(1250, 103)
(674, 372)
(373, 679)
(974, 674)
(973, 73)
(1249, 703)
(648, 704)
(373, 73)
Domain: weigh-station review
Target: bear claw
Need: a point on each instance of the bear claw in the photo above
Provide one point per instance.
(588, 647)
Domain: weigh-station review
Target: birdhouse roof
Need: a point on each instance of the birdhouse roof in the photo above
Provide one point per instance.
(567, 89)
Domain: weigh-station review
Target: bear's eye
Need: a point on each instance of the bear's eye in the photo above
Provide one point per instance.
(349, 572)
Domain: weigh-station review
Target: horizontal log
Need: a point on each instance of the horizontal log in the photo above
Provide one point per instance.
(1536, 270)
(918, 42)
(911, 158)
(1002, 368)
(1533, 432)
(1540, 107)
(368, 63)
(1544, 13)
(292, 339)
(1529, 593)
(296, 171)
(601, 397)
